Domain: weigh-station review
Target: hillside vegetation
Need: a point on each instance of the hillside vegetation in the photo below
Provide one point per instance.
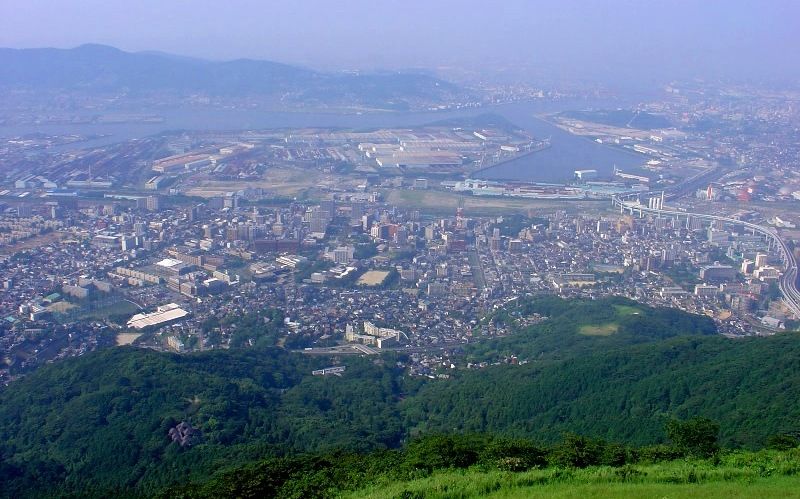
(475, 466)
(100, 424)
(683, 479)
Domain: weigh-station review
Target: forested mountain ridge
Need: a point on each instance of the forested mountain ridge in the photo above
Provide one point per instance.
(102, 423)
(752, 386)
(99, 69)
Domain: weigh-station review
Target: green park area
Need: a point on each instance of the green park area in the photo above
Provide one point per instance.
(611, 327)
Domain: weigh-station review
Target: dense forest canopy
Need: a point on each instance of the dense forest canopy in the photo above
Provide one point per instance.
(106, 421)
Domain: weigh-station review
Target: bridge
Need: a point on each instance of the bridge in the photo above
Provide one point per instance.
(788, 281)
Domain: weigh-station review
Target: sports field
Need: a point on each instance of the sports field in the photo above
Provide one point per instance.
(372, 277)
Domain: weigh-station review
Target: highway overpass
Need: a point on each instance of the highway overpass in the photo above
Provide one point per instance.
(788, 281)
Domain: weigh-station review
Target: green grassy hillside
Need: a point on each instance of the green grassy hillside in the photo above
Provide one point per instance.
(671, 480)
(478, 466)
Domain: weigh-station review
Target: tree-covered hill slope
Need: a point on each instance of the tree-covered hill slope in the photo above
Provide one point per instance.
(137, 421)
(752, 386)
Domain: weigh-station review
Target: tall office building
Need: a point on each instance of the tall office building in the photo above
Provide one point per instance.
(24, 210)
(153, 203)
(140, 228)
(356, 210)
(318, 219)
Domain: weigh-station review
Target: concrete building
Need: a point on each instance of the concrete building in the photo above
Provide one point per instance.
(717, 273)
(381, 337)
(343, 254)
(705, 290)
(164, 314)
(153, 203)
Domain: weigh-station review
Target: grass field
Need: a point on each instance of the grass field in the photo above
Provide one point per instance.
(760, 475)
(599, 330)
(61, 307)
(372, 278)
(623, 310)
(33, 242)
(120, 307)
(760, 488)
(280, 180)
(608, 328)
(127, 338)
(430, 201)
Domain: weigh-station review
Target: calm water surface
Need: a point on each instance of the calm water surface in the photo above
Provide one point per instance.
(556, 164)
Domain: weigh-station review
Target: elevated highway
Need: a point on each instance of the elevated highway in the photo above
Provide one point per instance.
(788, 280)
(693, 183)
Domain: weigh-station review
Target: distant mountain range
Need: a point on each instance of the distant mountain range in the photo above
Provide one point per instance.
(100, 69)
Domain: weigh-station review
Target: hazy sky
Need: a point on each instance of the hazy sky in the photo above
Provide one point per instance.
(708, 37)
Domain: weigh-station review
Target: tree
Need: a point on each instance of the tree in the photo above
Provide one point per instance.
(442, 451)
(365, 250)
(514, 455)
(577, 451)
(782, 441)
(696, 437)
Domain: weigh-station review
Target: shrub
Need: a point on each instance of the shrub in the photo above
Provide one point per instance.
(443, 451)
(513, 455)
(696, 437)
(656, 453)
(614, 455)
(782, 442)
(577, 451)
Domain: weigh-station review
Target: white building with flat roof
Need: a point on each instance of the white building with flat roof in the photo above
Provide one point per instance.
(163, 314)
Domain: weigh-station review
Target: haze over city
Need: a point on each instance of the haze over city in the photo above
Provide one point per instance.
(572, 39)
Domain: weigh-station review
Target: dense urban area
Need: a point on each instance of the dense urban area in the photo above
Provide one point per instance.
(332, 241)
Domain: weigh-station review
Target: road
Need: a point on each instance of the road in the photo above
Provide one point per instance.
(477, 270)
(358, 349)
(693, 183)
